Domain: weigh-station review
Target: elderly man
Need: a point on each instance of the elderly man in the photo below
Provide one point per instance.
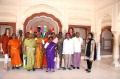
(77, 42)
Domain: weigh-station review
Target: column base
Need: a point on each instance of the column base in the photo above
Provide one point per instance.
(115, 64)
(98, 58)
(98, 52)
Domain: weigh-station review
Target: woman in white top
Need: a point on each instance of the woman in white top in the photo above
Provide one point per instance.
(67, 51)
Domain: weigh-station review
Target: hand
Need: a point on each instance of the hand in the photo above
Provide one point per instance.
(90, 55)
(91, 60)
(84, 59)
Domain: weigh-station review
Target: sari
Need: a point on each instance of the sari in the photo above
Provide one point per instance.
(15, 52)
(39, 54)
(44, 57)
(24, 54)
(30, 45)
(50, 55)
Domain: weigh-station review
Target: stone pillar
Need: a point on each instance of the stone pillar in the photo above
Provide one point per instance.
(98, 47)
(115, 56)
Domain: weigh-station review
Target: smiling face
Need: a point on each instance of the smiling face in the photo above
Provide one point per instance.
(14, 36)
(89, 36)
(50, 39)
(68, 36)
(7, 31)
(77, 34)
(30, 36)
(38, 35)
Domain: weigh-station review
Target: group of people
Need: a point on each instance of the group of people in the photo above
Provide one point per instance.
(33, 52)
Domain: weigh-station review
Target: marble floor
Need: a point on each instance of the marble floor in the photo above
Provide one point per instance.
(101, 70)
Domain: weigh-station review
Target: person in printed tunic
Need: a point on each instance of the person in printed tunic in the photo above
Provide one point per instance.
(90, 52)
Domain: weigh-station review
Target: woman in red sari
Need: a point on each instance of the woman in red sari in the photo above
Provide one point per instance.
(4, 40)
(14, 45)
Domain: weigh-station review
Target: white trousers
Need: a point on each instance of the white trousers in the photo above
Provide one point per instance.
(6, 58)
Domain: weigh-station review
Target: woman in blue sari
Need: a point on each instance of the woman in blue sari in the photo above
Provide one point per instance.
(50, 49)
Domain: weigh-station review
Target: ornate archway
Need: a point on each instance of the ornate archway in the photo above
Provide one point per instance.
(42, 14)
(111, 41)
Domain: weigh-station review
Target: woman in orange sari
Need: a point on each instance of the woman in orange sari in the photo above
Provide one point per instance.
(14, 45)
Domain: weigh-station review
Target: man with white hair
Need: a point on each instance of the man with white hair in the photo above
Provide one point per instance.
(77, 42)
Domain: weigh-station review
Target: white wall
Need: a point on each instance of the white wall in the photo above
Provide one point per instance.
(75, 12)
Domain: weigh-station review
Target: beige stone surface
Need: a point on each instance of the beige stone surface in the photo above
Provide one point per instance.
(101, 70)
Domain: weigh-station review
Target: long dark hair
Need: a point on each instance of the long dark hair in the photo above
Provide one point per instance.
(72, 29)
(6, 31)
(91, 35)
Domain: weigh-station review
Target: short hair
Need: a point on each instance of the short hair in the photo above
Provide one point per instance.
(53, 33)
(50, 37)
(68, 33)
(13, 34)
(60, 32)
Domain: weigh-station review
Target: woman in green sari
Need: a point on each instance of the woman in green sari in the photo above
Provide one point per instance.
(30, 45)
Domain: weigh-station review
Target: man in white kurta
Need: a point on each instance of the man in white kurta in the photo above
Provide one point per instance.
(67, 51)
(77, 42)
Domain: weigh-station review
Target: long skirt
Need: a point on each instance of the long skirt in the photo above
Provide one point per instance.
(38, 59)
(30, 60)
(15, 58)
(50, 60)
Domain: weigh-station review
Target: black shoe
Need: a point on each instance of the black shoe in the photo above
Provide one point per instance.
(69, 68)
(64, 68)
(13, 67)
(73, 67)
(41, 68)
(89, 71)
(17, 67)
(28, 70)
(86, 69)
(33, 69)
(78, 68)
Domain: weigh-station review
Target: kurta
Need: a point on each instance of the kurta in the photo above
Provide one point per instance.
(50, 54)
(4, 40)
(15, 52)
(68, 46)
(39, 54)
(30, 51)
